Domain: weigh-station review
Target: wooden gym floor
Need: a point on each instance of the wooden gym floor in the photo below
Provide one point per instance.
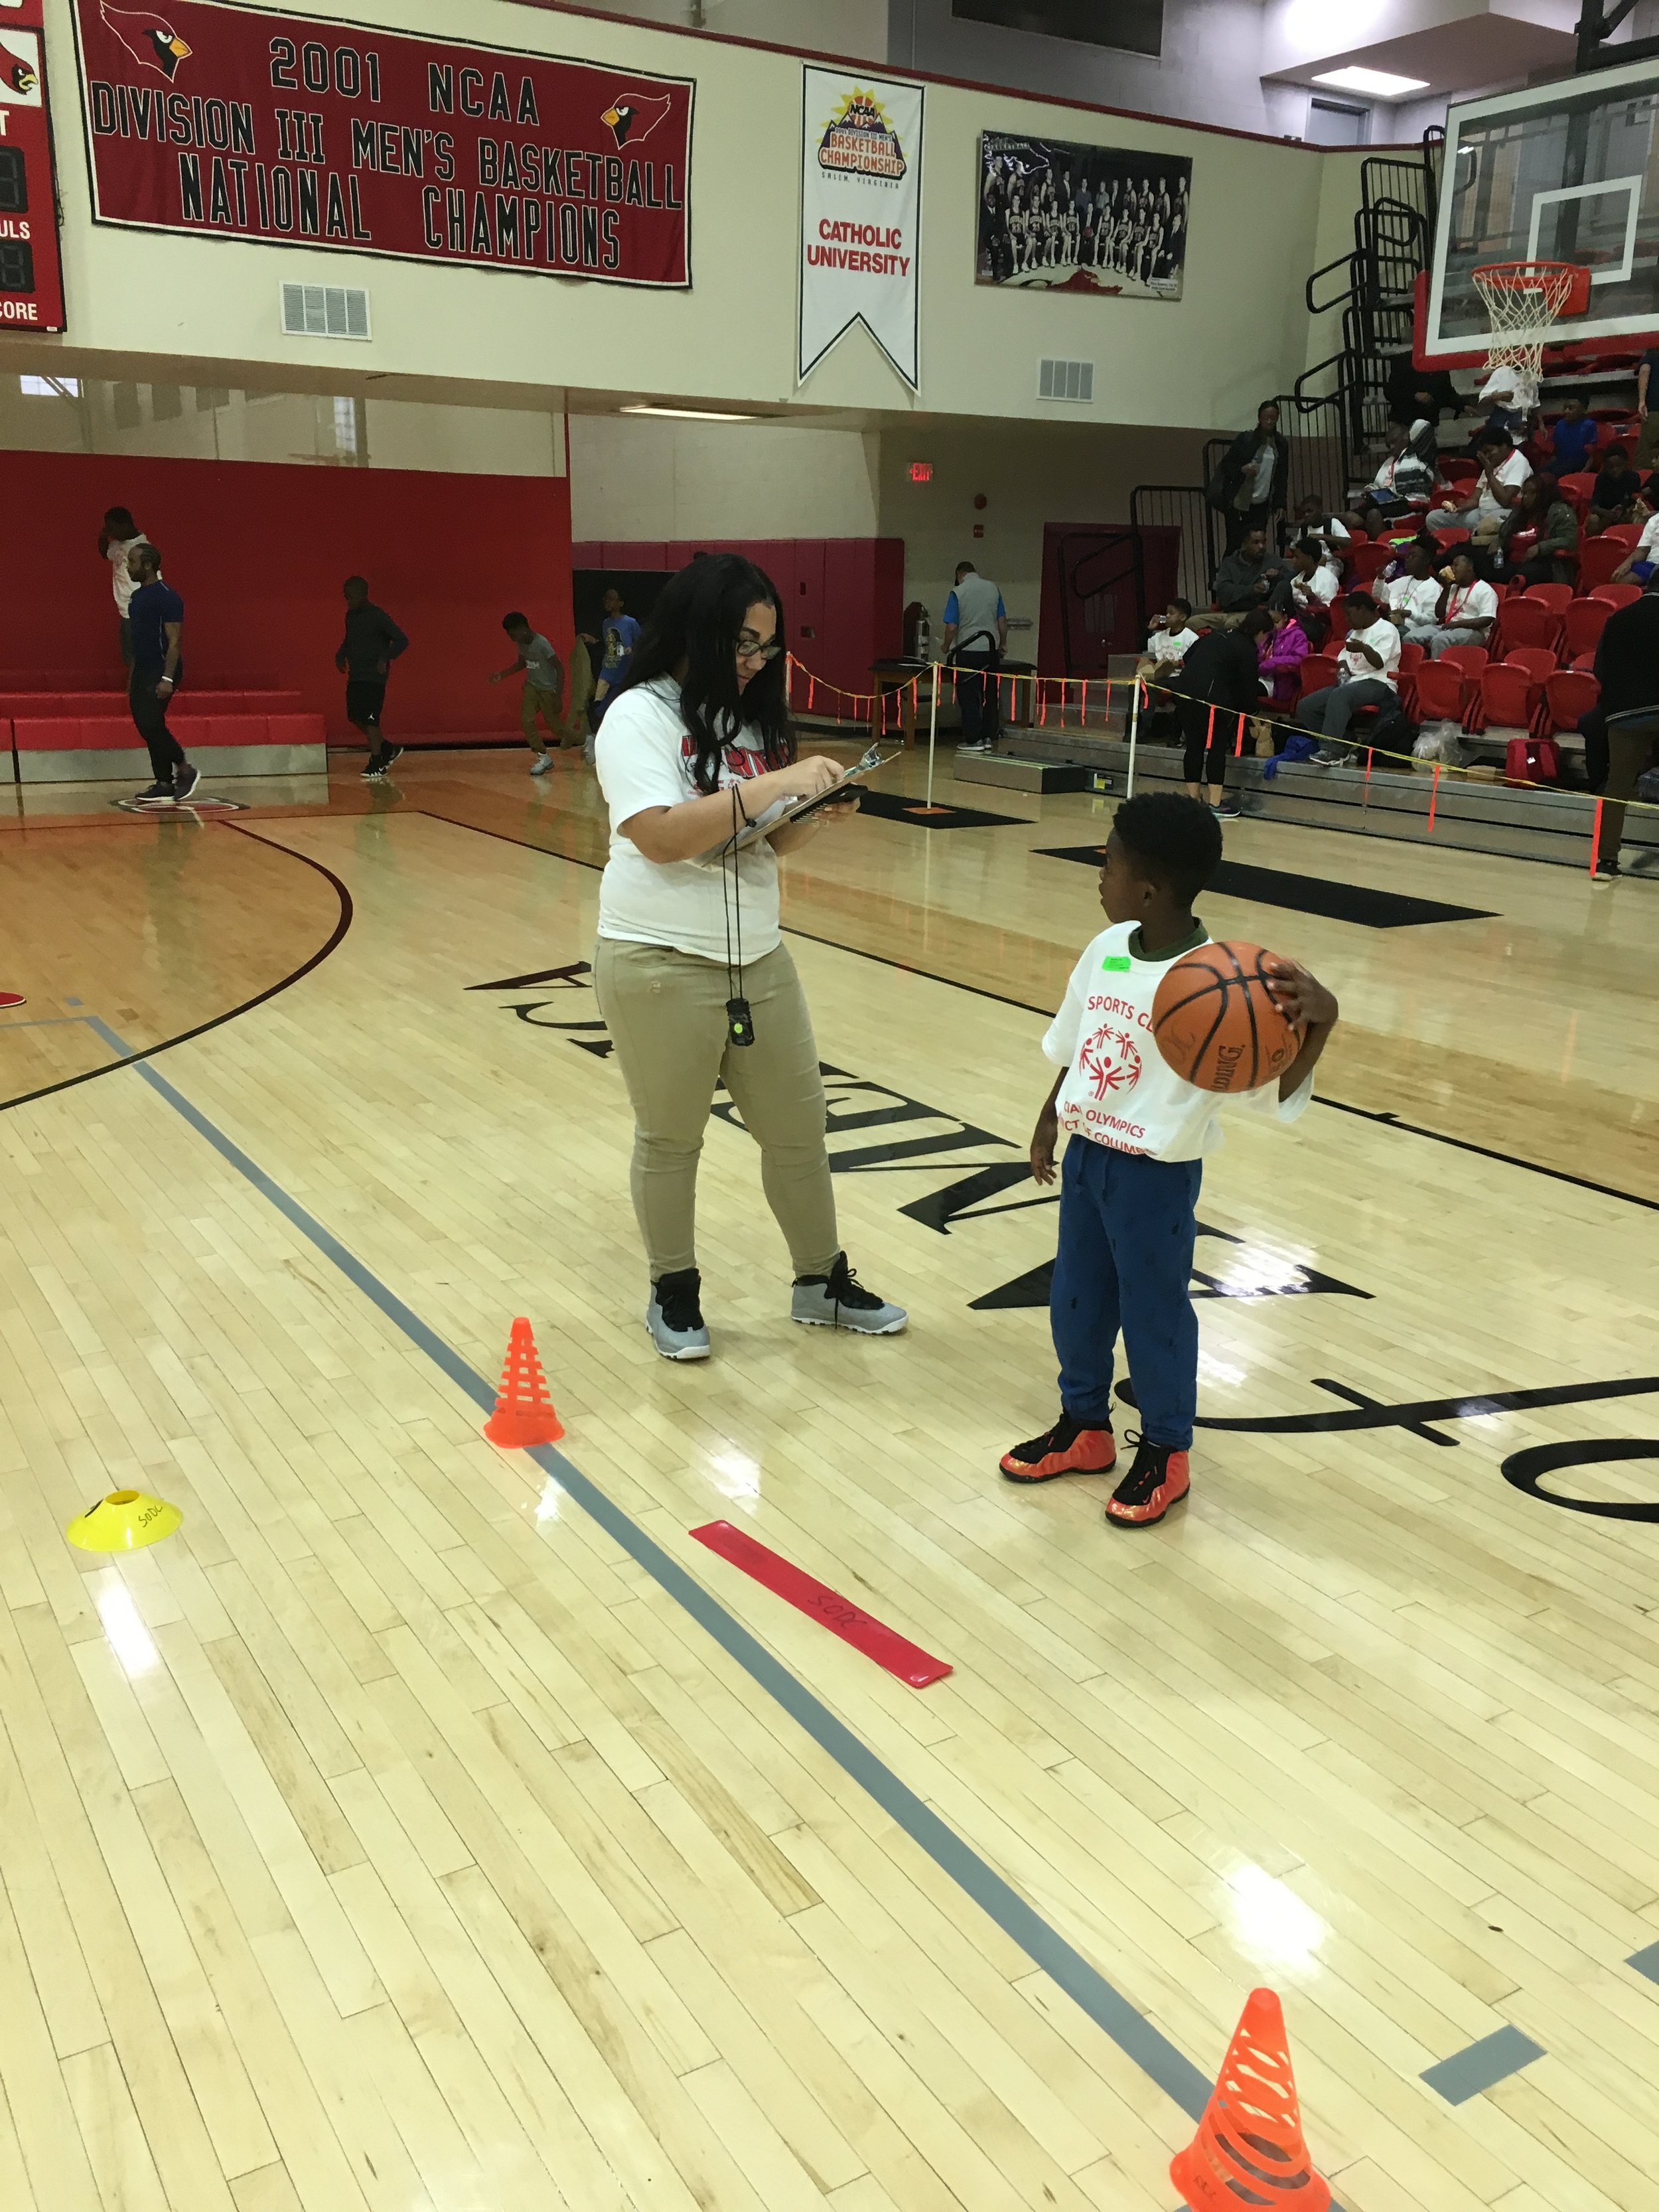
(425, 1828)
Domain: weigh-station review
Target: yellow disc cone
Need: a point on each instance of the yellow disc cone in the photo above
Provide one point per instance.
(125, 1521)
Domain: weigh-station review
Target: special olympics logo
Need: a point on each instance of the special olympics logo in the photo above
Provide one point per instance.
(1109, 1062)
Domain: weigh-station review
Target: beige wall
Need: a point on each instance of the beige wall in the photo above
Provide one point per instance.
(208, 308)
(631, 479)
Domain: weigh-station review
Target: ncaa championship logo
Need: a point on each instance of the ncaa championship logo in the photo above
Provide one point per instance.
(859, 139)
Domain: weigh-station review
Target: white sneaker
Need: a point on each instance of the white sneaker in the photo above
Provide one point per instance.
(674, 1317)
(541, 764)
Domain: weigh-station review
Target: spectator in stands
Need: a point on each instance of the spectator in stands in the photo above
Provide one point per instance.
(1244, 579)
(1336, 532)
(1220, 680)
(976, 638)
(1307, 590)
(1412, 392)
(1638, 568)
(1467, 610)
(1167, 640)
(1647, 406)
(115, 540)
(1621, 733)
(1369, 655)
(1572, 438)
(1279, 654)
(1614, 499)
(1495, 490)
(1249, 488)
(1538, 540)
(1413, 598)
(1402, 486)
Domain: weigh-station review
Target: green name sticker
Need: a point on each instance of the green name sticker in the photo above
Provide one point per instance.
(1117, 964)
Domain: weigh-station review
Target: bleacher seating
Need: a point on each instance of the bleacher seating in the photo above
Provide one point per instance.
(55, 728)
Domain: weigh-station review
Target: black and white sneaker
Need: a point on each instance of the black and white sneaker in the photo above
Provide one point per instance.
(185, 777)
(391, 754)
(375, 772)
(158, 795)
(839, 1300)
(674, 1317)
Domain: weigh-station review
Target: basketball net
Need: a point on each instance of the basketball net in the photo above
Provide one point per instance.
(1523, 295)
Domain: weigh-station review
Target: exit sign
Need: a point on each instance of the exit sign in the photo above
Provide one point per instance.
(921, 472)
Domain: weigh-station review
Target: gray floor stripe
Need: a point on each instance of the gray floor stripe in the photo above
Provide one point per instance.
(1493, 2059)
(1646, 1962)
(1133, 2034)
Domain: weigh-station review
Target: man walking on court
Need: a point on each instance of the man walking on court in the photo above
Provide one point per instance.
(371, 642)
(976, 635)
(157, 616)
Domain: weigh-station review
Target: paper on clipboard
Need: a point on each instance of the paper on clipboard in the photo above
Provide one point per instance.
(777, 817)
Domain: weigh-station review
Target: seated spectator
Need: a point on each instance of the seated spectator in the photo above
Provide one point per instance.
(1221, 673)
(1639, 566)
(1572, 438)
(1244, 578)
(1539, 539)
(1279, 653)
(1412, 392)
(1614, 499)
(1402, 486)
(1413, 598)
(1369, 655)
(1492, 494)
(1311, 582)
(1467, 610)
(1336, 532)
(1167, 640)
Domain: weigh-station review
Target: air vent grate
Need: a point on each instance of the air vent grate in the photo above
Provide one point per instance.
(1066, 380)
(324, 311)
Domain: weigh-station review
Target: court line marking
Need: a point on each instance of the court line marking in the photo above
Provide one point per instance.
(1136, 2036)
(1483, 2065)
(1024, 1006)
(1646, 1962)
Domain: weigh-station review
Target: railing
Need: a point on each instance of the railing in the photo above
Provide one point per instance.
(1184, 509)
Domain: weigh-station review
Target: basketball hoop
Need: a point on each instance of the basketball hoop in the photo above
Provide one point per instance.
(1531, 296)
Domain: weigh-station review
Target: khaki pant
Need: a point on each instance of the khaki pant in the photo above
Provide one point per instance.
(1630, 753)
(550, 705)
(667, 1013)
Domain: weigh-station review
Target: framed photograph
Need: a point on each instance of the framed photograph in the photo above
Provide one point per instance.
(1057, 217)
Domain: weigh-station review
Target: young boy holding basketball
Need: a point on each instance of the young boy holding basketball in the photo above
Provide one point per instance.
(1130, 1179)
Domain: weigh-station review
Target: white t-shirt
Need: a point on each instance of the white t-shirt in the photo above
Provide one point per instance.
(1468, 603)
(1164, 645)
(1317, 590)
(1416, 597)
(124, 585)
(1514, 471)
(1648, 540)
(1384, 639)
(645, 756)
(1120, 1091)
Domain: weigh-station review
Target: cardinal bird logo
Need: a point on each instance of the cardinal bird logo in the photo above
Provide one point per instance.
(149, 38)
(634, 116)
(22, 79)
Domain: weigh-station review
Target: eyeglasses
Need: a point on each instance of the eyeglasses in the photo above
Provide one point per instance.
(750, 648)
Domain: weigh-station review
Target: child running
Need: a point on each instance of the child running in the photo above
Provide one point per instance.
(543, 687)
(1129, 1182)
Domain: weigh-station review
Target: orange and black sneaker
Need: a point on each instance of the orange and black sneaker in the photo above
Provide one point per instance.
(1066, 1450)
(1158, 1479)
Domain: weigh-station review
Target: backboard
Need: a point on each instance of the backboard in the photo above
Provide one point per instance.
(1563, 172)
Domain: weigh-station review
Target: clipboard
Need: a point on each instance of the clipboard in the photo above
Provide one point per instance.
(800, 811)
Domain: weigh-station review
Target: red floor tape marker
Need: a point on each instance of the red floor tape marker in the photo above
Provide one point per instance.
(907, 1660)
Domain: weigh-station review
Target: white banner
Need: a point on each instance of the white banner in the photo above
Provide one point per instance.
(861, 215)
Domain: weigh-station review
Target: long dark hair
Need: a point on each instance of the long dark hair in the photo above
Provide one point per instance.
(696, 619)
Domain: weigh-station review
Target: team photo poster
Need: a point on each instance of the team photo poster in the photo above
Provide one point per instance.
(1063, 218)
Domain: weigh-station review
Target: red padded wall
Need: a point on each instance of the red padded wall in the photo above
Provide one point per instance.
(258, 550)
(849, 592)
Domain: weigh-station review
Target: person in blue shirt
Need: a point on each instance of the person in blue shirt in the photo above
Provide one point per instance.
(1573, 438)
(157, 616)
(976, 636)
(619, 634)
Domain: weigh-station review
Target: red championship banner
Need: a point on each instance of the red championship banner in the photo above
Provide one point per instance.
(227, 121)
(31, 280)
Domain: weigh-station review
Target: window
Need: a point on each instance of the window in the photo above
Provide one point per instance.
(1334, 123)
(1134, 26)
(50, 388)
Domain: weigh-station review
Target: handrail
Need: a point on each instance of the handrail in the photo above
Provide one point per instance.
(1345, 261)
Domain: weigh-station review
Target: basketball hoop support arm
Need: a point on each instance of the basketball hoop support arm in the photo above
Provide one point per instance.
(1595, 29)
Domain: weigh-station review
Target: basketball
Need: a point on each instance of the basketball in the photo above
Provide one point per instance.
(1215, 1022)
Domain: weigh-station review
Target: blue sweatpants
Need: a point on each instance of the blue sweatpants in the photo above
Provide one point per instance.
(1127, 1229)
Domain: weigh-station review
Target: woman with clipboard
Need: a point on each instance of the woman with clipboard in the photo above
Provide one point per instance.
(692, 975)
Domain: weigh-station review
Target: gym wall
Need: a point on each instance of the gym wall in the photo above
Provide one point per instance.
(259, 552)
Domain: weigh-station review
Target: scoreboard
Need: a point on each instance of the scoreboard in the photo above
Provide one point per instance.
(31, 279)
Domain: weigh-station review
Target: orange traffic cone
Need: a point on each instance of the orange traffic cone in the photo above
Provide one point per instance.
(1249, 2150)
(524, 1412)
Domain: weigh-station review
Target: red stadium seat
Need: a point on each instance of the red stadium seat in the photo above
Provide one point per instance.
(1578, 489)
(1585, 663)
(1440, 691)
(1583, 622)
(1597, 559)
(1506, 696)
(1467, 659)
(1538, 661)
(1367, 559)
(1412, 658)
(1459, 468)
(1617, 595)
(1526, 620)
(1556, 596)
(1623, 533)
(1568, 696)
(1319, 671)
